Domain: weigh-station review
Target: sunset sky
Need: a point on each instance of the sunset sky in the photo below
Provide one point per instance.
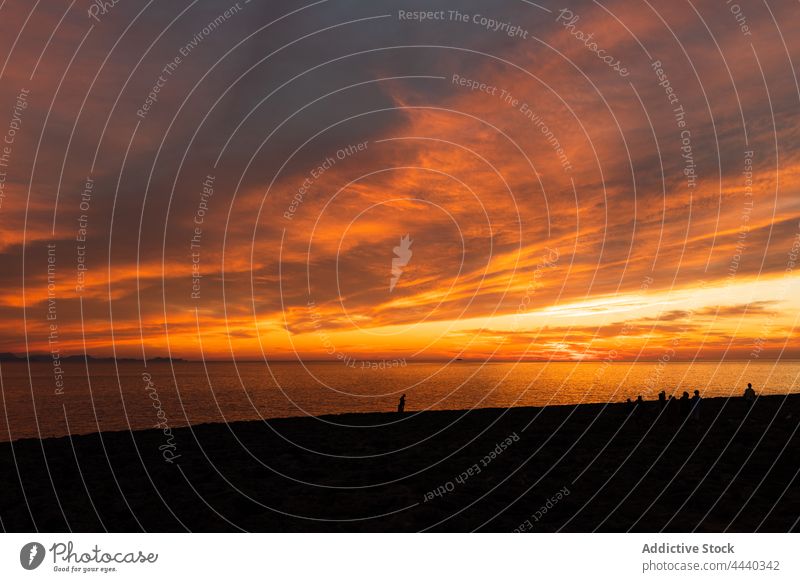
(251, 168)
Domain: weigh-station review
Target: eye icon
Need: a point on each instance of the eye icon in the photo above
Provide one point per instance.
(31, 555)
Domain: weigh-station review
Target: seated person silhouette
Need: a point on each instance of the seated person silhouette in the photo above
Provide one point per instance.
(696, 405)
(401, 406)
(749, 393)
(684, 404)
(638, 407)
(671, 408)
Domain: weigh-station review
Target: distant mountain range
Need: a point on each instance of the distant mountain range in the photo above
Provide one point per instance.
(9, 357)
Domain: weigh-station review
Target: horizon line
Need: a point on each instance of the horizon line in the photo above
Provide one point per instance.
(11, 357)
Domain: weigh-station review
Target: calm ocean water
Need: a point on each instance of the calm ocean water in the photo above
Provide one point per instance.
(128, 395)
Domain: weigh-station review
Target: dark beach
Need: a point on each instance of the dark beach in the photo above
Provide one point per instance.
(581, 468)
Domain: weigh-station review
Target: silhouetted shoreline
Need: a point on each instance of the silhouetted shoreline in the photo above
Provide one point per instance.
(570, 468)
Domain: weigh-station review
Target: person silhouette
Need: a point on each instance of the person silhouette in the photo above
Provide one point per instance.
(684, 404)
(401, 406)
(696, 405)
(662, 398)
(749, 393)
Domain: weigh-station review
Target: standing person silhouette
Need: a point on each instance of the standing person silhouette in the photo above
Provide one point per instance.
(749, 393)
(401, 406)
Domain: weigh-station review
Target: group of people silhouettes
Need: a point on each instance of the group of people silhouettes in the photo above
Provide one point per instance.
(687, 406)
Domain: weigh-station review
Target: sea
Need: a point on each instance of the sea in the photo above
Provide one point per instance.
(131, 395)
